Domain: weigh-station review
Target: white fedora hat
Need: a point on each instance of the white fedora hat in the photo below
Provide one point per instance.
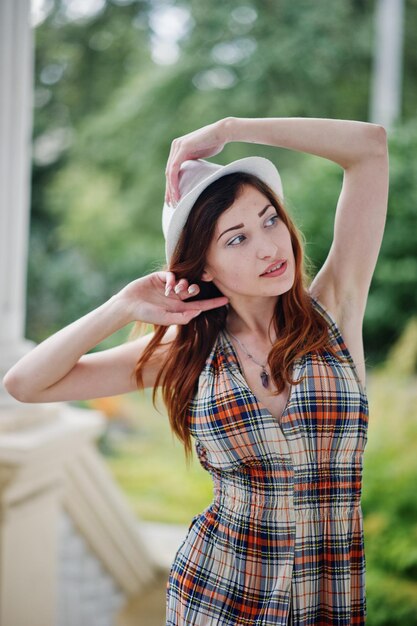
(197, 174)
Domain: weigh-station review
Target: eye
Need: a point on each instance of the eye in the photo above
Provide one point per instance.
(231, 244)
(273, 217)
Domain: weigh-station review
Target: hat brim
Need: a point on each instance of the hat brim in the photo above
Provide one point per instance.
(177, 216)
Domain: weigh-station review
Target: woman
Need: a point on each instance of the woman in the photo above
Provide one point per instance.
(261, 365)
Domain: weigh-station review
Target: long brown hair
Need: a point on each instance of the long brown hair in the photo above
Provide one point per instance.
(299, 327)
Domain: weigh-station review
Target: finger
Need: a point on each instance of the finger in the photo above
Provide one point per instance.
(192, 290)
(169, 171)
(164, 276)
(181, 287)
(172, 176)
(166, 196)
(174, 191)
(213, 303)
(169, 278)
(208, 303)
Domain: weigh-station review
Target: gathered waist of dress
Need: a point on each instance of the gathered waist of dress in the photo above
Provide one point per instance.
(306, 501)
(284, 508)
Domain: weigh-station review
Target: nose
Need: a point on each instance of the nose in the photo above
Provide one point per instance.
(266, 249)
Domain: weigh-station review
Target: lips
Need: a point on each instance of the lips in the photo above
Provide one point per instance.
(273, 265)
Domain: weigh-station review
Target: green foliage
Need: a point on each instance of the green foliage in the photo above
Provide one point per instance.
(390, 600)
(79, 63)
(402, 357)
(389, 502)
(308, 57)
(99, 200)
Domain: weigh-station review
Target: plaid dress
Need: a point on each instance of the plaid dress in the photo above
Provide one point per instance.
(282, 542)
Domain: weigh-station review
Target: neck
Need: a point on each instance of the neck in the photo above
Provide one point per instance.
(252, 319)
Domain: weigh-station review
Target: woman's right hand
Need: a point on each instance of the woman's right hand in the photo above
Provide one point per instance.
(146, 300)
(198, 144)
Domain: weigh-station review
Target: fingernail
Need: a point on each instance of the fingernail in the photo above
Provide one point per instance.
(192, 289)
(178, 288)
(168, 290)
(196, 313)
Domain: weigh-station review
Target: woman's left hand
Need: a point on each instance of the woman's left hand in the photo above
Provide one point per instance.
(203, 142)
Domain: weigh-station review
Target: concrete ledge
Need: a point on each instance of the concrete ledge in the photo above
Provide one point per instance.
(165, 540)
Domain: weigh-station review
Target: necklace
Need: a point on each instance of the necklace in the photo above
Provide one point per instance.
(264, 374)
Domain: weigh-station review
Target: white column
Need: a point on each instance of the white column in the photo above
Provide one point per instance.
(16, 93)
(386, 87)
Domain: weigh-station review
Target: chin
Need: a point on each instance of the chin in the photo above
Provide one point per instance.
(279, 290)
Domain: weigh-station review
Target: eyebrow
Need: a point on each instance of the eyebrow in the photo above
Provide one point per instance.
(242, 225)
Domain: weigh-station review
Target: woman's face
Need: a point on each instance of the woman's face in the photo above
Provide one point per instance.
(248, 238)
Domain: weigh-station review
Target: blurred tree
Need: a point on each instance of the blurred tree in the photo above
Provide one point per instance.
(81, 59)
(102, 197)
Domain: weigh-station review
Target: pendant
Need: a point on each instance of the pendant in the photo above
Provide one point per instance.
(265, 379)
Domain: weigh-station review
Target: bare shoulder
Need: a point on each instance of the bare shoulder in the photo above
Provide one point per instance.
(348, 313)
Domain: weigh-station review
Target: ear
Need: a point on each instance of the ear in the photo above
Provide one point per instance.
(206, 276)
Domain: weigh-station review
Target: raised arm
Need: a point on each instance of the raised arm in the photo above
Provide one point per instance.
(360, 148)
(58, 369)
